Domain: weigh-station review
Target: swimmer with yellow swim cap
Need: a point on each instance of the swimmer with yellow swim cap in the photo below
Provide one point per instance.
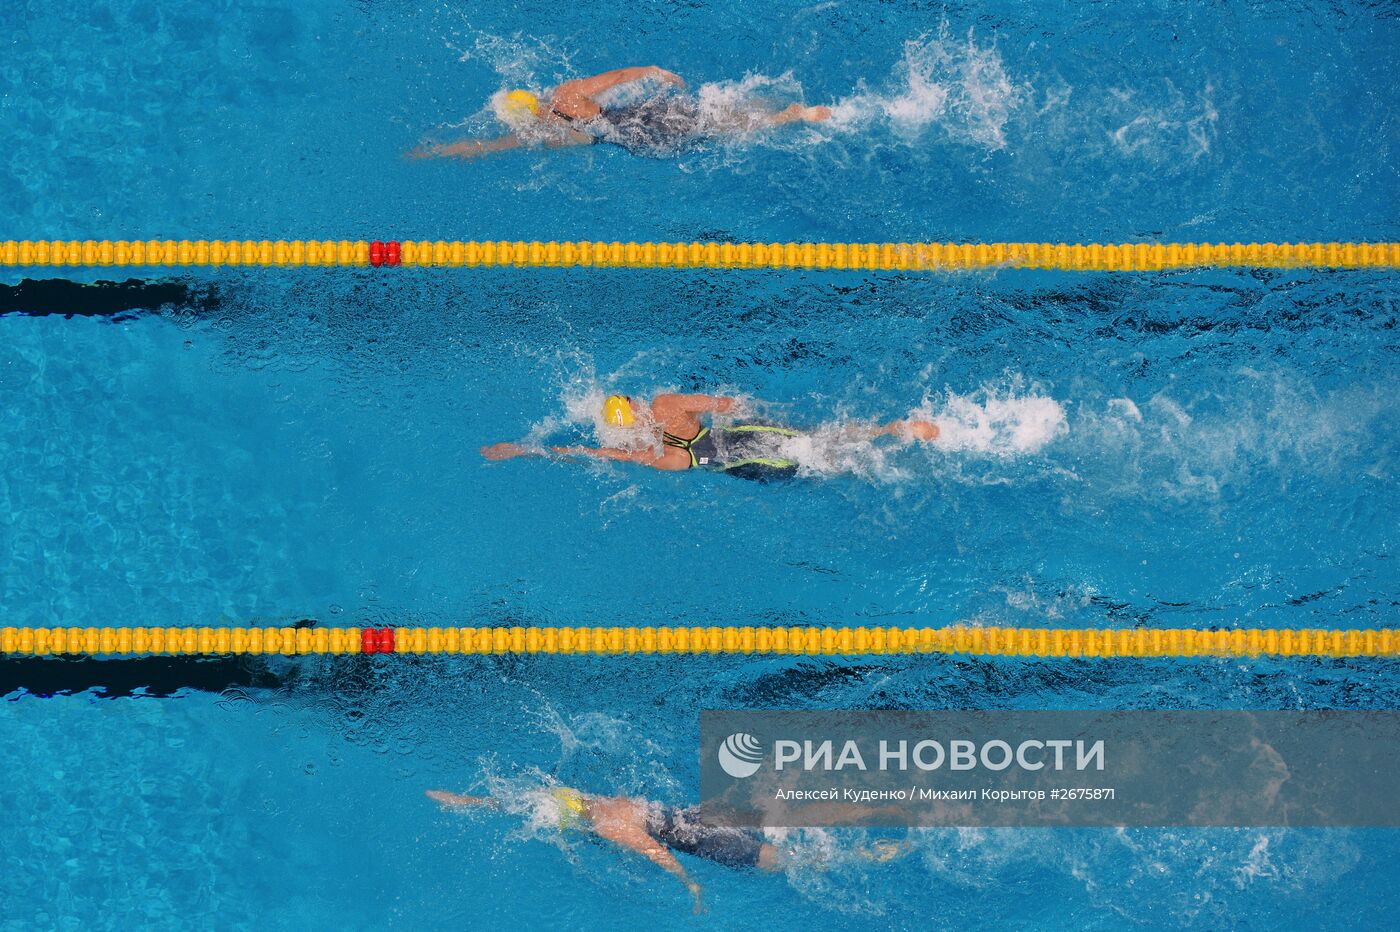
(574, 114)
(658, 832)
(748, 449)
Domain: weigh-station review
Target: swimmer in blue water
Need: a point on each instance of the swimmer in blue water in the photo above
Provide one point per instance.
(658, 832)
(745, 448)
(660, 124)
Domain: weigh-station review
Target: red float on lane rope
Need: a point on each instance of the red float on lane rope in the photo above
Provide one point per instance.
(377, 641)
(376, 253)
(391, 252)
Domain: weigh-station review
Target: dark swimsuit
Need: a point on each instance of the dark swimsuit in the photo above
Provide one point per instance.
(742, 450)
(686, 831)
(657, 126)
(578, 126)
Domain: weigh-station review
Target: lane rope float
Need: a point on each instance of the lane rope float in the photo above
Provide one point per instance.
(845, 641)
(1123, 257)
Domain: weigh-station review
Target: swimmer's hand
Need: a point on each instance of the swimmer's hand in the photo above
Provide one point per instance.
(668, 77)
(503, 451)
(694, 889)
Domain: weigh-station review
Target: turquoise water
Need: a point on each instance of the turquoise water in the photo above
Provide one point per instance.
(1188, 450)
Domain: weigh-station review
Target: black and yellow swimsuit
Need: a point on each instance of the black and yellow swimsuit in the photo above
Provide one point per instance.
(748, 451)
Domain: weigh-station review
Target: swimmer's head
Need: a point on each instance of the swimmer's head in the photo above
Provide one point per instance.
(517, 106)
(571, 807)
(617, 411)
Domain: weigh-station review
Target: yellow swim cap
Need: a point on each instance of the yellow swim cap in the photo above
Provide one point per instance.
(617, 411)
(571, 807)
(519, 103)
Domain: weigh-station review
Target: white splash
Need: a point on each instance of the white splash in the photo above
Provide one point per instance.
(961, 87)
(999, 422)
(746, 104)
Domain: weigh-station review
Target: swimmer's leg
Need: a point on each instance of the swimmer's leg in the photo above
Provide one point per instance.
(909, 427)
(797, 113)
(770, 859)
(885, 851)
(748, 121)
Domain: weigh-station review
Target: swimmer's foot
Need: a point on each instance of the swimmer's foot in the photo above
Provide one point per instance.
(921, 430)
(884, 851)
(797, 112)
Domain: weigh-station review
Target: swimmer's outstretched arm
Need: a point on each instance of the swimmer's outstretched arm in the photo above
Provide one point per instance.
(508, 451)
(467, 148)
(459, 801)
(475, 148)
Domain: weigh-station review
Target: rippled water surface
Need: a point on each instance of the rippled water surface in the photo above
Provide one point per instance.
(1196, 449)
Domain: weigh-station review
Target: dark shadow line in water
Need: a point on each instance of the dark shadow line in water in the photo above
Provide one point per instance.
(118, 301)
(166, 677)
(157, 677)
(939, 681)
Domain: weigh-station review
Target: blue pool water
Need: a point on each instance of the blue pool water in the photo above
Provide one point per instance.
(1186, 450)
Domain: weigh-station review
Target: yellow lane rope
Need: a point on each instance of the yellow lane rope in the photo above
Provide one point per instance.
(584, 254)
(1018, 642)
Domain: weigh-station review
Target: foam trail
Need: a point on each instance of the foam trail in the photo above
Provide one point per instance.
(992, 422)
(1257, 423)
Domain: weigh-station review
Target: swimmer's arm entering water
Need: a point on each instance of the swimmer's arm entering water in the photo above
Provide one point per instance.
(695, 404)
(627, 833)
(578, 98)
